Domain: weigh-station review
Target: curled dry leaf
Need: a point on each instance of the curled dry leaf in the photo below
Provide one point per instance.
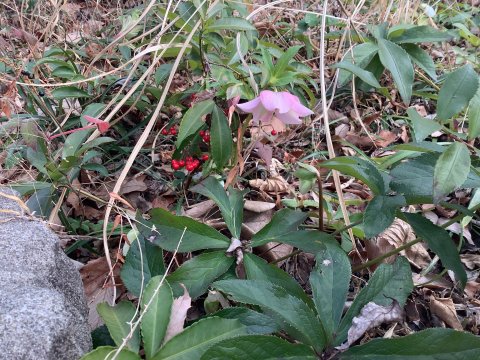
(471, 261)
(372, 315)
(178, 315)
(98, 287)
(274, 185)
(445, 310)
(200, 209)
(396, 235)
(258, 206)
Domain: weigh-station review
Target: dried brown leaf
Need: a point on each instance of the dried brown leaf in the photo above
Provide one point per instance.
(444, 308)
(178, 315)
(200, 209)
(275, 185)
(258, 206)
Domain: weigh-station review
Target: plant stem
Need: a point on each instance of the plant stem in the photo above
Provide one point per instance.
(321, 225)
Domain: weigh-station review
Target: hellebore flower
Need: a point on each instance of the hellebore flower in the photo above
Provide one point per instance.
(283, 105)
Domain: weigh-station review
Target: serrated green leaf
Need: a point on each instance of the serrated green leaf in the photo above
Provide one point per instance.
(198, 273)
(300, 320)
(283, 222)
(387, 282)
(429, 344)
(258, 269)
(255, 322)
(184, 233)
(107, 353)
(65, 92)
(451, 170)
(330, 281)
(231, 206)
(397, 61)
(192, 342)
(421, 58)
(230, 23)
(155, 320)
(380, 213)
(420, 34)
(422, 127)
(439, 242)
(118, 318)
(258, 347)
(460, 86)
(192, 121)
(220, 138)
(143, 261)
(361, 55)
(359, 169)
(474, 116)
(364, 75)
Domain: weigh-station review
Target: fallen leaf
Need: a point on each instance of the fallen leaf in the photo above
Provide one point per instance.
(471, 261)
(178, 315)
(98, 287)
(372, 315)
(200, 209)
(275, 185)
(264, 152)
(134, 184)
(258, 206)
(385, 138)
(444, 308)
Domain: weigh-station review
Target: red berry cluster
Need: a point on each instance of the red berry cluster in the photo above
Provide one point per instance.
(205, 135)
(171, 131)
(189, 163)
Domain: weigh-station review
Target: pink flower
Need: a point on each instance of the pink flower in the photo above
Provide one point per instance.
(101, 125)
(283, 105)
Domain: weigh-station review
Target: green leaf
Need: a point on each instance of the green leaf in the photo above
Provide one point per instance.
(387, 282)
(422, 127)
(380, 213)
(459, 87)
(192, 121)
(467, 34)
(359, 169)
(231, 206)
(230, 23)
(192, 342)
(94, 143)
(221, 138)
(69, 92)
(330, 280)
(361, 55)
(302, 322)
(474, 116)
(419, 34)
(397, 61)
(429, 344)
(198, 273)
(307, 179)
(107, 352)
(191, 234)
(283, 222)
(118, 318)
(143, 261)
(451, 170)
(258, 347)
(254, 321)
(364, 75)
(421, 58)
(282, 63)
(440, 243)
(258, 269)
(155, 320)
(311, 241)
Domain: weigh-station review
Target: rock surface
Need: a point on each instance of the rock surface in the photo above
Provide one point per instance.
(43, 312)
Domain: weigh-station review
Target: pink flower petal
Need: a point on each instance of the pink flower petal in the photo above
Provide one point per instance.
(249, 106)
(297, 106)
(290, 117)
(274, 101)
(102, 126)
(263, 115)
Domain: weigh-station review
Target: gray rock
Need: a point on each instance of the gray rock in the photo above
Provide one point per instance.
(43, 312)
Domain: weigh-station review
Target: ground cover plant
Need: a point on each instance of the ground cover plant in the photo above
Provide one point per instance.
(254, 181)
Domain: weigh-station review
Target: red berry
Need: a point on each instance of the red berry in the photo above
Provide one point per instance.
(173, 131)
(206, 138)
(205, 157)
(190, 167)
(189, 159)
(181, 163)
(175, 165)
(274, 132)
(164, 132)
(202, 133)
(196, 162)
